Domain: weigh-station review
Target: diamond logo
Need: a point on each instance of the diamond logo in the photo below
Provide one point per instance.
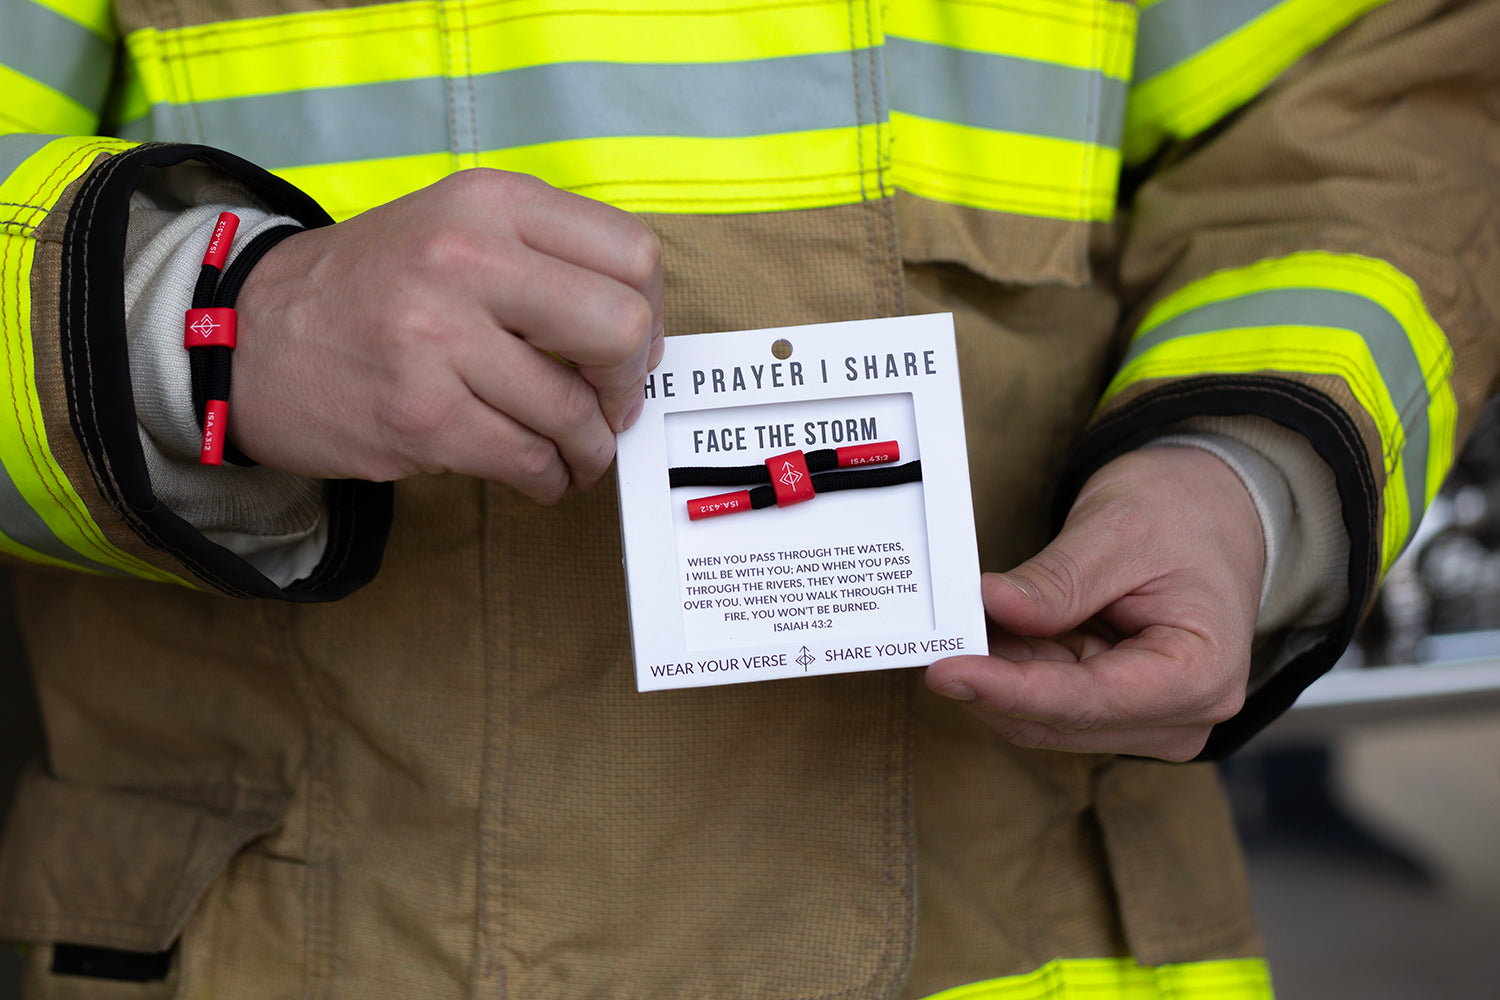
(789, 477)
(203, 326)
(806, 658)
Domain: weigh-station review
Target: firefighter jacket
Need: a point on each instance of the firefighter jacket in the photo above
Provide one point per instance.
(437, 780)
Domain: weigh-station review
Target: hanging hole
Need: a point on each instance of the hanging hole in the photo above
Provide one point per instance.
(781, 350)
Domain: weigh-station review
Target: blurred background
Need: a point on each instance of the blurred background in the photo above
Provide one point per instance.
(1370, 812)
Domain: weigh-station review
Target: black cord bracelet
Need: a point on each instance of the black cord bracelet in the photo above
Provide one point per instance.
(793, 477)
(209, 331)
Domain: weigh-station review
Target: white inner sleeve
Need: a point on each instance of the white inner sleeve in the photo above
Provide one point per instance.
(1306, 579)
(275, 521)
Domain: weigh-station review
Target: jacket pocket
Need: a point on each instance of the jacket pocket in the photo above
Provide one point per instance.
(1175, 862)
(103, 868)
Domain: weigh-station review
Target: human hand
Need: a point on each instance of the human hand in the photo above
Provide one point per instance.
(425, 336)
(1131, 631)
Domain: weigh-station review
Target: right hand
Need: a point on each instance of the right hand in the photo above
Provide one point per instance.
(425, 335)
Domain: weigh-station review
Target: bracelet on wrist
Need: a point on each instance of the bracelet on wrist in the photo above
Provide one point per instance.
(209, 331)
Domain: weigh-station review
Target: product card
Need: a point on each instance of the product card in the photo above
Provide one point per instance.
(796, 501)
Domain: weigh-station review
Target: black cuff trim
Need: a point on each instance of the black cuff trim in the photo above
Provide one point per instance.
(101, 404)
(1335, 437)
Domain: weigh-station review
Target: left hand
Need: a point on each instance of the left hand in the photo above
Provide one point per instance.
(1131, 631)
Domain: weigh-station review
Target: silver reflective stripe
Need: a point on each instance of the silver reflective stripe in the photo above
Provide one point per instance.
(17, 148)
(1004, 93)
(1175, 30)
(24, 525)
(371, 121)
(527, 106)
(1389, 345)
(52, 50)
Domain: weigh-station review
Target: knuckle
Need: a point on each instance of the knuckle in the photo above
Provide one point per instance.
(550, 491)
(640, 254)
(413, 417)
(414, 328)
(488, 183)
(515, 188)
(537, 463)
(575, 407)
(1226, 706)
(631, 325)
(447, 249)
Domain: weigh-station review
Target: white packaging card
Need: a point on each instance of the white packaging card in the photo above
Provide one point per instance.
(821, 520)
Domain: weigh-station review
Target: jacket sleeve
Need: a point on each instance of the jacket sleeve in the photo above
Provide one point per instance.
(1326, 256)
(74, 487)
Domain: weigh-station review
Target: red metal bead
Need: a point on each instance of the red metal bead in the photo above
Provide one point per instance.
(869, 454)
(790, 478)
(211, 327)
(215, 423)
(719, 505)
(220, 242)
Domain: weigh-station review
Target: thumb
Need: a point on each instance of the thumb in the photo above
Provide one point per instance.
(1086, 568)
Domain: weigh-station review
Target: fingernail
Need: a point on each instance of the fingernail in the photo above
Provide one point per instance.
(957, 690)
(1024, 587)
(634, 413)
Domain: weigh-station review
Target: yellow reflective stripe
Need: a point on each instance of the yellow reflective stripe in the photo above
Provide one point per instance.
(34, 185)
(343, 190)
(403, 41)
(512, 35)
(1373, 279)
(749, 174)
(1055, 31)
(1313, 350)
(1123, 979)
(290, 52)
(25, 195)
(18, 551)
(1417, 358)
(1033, 175)
(1195, 93)
(95, 15)
(44, 109)
(647, 174)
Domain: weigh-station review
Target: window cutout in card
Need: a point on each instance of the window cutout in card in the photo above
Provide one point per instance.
(780, 570)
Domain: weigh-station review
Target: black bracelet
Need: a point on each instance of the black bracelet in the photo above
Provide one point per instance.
(793, 477)
(209, 331)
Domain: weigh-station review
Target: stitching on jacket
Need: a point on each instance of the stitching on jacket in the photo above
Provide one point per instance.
(187, 108)
(1348, 374)
(29, 208)
(463, 12)
(343, 31)
(859, 146)
(887, 208)
(47, 474)
(1091, 119)
(448, 83)
(122, 509)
